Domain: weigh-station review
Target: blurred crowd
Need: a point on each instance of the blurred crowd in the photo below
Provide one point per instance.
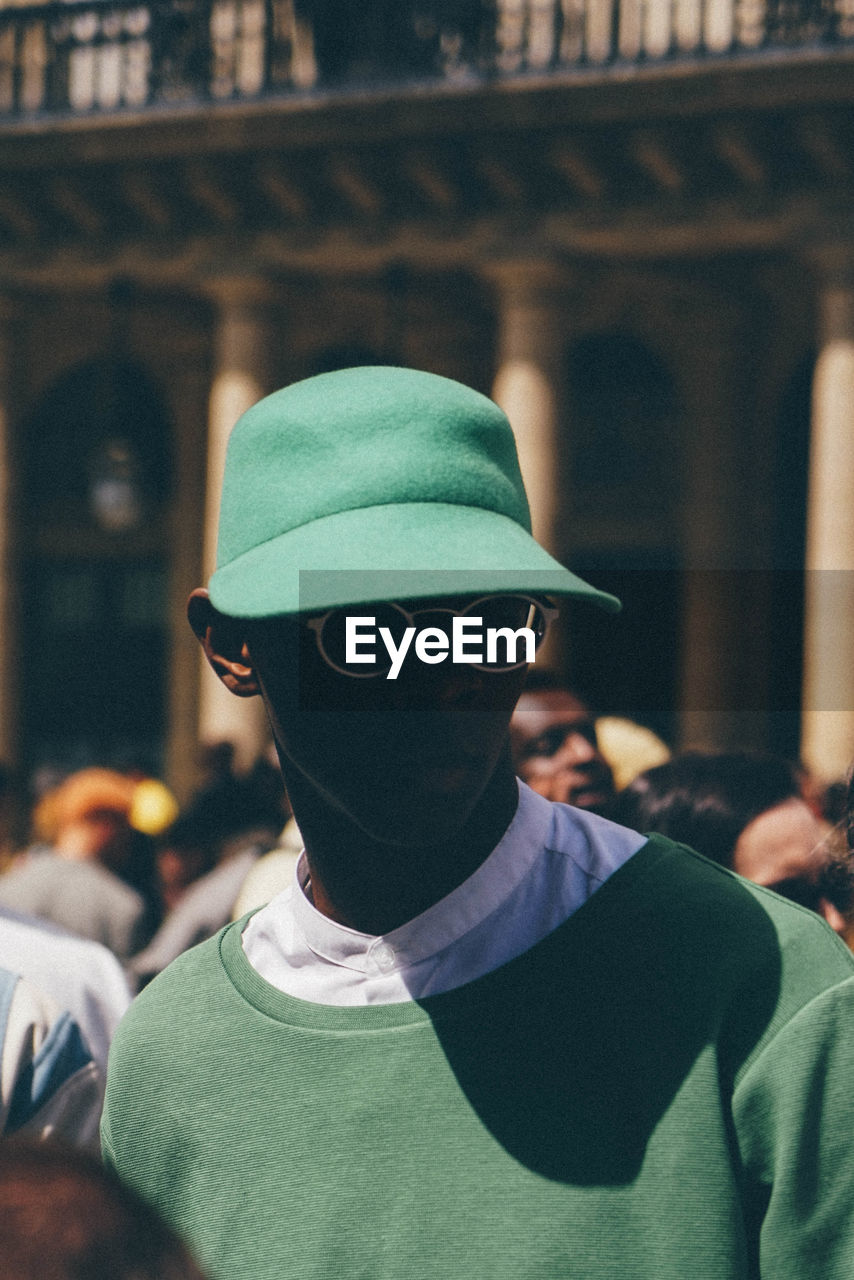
(111, 857)
(760, 815)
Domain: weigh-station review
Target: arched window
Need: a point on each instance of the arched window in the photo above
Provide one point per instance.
(95, 479)
(97, 446)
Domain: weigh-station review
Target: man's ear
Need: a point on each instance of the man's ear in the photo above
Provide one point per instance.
(222, 639)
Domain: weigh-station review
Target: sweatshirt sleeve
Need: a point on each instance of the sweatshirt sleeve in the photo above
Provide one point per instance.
(794, 1116)
(49, 1084)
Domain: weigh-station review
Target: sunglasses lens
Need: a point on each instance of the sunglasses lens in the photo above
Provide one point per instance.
(364, 638)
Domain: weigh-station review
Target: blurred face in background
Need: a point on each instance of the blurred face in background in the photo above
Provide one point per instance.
(553, 738)
(785, 849)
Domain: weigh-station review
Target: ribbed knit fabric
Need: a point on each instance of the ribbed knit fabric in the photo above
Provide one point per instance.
(660, 1090)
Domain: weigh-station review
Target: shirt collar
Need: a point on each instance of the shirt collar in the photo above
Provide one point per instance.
(447, 920)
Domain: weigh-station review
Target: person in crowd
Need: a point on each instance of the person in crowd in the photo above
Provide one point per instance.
(184, 852)
(746, 812)
(204, 858)
(63, 1216)
(272, 873)
(50, 1087)
(76, 882)
(555, 750)
(80, 976)
(486, 1034)
(248, 808)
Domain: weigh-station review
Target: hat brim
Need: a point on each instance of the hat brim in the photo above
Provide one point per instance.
(411, 551)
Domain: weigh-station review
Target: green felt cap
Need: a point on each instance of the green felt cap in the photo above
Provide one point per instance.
(376, 484)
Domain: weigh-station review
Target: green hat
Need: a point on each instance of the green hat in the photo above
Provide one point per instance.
(376, 484)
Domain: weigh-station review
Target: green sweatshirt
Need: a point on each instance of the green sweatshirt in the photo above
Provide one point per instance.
(662, 1089)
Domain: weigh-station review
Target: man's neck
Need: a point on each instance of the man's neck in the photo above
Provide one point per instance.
(376, 887)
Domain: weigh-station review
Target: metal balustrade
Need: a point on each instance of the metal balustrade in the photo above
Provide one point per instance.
(108, 56)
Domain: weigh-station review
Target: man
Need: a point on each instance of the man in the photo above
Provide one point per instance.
(483, 1034)
(555, 749)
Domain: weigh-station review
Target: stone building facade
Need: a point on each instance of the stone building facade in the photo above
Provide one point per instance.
(628, 220)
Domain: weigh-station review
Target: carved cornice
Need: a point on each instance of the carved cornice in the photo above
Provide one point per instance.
(692, 184)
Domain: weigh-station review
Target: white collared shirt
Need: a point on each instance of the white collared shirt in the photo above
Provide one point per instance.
(549, 861)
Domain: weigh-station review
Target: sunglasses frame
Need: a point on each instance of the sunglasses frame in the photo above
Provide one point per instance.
(549, 612)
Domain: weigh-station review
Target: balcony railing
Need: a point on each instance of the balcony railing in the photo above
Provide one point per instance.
(106, 56)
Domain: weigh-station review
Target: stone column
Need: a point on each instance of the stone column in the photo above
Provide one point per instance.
(243, 341)
(529, 386)
(827, 736)
(8, 601)
(189, 389)
(529, 381)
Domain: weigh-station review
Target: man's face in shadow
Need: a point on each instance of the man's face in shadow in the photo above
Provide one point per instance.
(406, 759)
